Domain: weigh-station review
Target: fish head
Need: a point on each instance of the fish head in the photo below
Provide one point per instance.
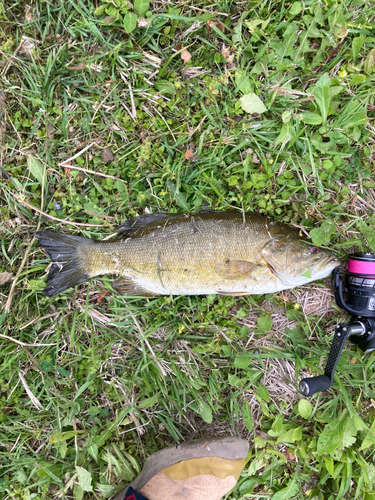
(295, 262)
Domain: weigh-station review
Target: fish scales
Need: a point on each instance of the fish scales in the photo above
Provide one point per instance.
(213, 252)
(181, 256)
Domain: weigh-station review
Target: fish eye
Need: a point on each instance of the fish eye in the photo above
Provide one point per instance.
(313, 249)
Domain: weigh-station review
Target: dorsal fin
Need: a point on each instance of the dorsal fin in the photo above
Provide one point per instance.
(132, 225)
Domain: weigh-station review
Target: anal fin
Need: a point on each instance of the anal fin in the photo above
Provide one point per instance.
(128, 286)
(234, 294)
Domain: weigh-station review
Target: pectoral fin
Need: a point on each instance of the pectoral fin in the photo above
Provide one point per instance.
(128, 286)
(235, 269)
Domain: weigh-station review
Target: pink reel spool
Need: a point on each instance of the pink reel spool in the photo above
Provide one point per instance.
(360, 265)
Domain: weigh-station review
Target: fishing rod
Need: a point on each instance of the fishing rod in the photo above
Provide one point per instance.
(358, 284)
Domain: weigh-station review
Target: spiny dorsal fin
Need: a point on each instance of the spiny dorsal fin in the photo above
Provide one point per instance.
(132, 225)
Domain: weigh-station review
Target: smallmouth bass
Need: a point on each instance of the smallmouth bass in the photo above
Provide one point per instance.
(192, 254)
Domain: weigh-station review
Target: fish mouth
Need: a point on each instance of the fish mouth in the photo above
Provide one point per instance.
(326, 267)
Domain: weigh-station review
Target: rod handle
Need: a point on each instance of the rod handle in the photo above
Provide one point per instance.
(309, 386)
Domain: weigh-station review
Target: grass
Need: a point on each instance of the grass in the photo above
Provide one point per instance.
(103, 120)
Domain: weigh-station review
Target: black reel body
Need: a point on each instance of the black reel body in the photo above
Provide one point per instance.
(359, 287)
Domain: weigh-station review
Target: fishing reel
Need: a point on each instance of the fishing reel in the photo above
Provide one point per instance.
(358, 283)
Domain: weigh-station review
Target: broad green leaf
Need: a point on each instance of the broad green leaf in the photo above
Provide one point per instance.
(295, 9)
(252, 104)
(304, 408)
(287, 132)
(265, 323)
(100, 10)
(287, 493)
(205, 411)
(322, 235)
(130, 22)
(277, 425)
(123, 5)
(84, 478)
(36, 168)
(357, 44)
(165, 87)
(62, 371)
(290, 436)
(357, 79)
(369, 439)
(141, 6)
(307, 274)
(248, 486)
(242, 361)
(262, 391)
(336, 89)
(181, 201)
(328, 164)
(287, 116)
(252, 25)
(93, 450)
(247, 417)
(340, 433)
(322, 98)
(243, 82)
(233, 380)
(328, 460)
(368, 232)
(78, 492)
(355, 120)
(284, 48)
(107, 490)
(312, 118)
(369, 66)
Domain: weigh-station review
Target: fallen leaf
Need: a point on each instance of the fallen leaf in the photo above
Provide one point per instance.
(179, 47)
(67, 169)
(185, 56)
(225, 52)
(290, 455)
(188, 154)
(28, 13)
(108, 156)
(101, 296)
(109, 19)
(219, 25)
(5, 277)
(28, 48)
(78, 66)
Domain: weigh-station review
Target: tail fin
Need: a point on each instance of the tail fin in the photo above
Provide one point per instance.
(67, 269)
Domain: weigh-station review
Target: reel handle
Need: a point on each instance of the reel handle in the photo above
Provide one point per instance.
(309, 386)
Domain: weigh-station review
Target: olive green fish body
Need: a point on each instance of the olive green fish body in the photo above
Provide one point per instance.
(204, 253)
